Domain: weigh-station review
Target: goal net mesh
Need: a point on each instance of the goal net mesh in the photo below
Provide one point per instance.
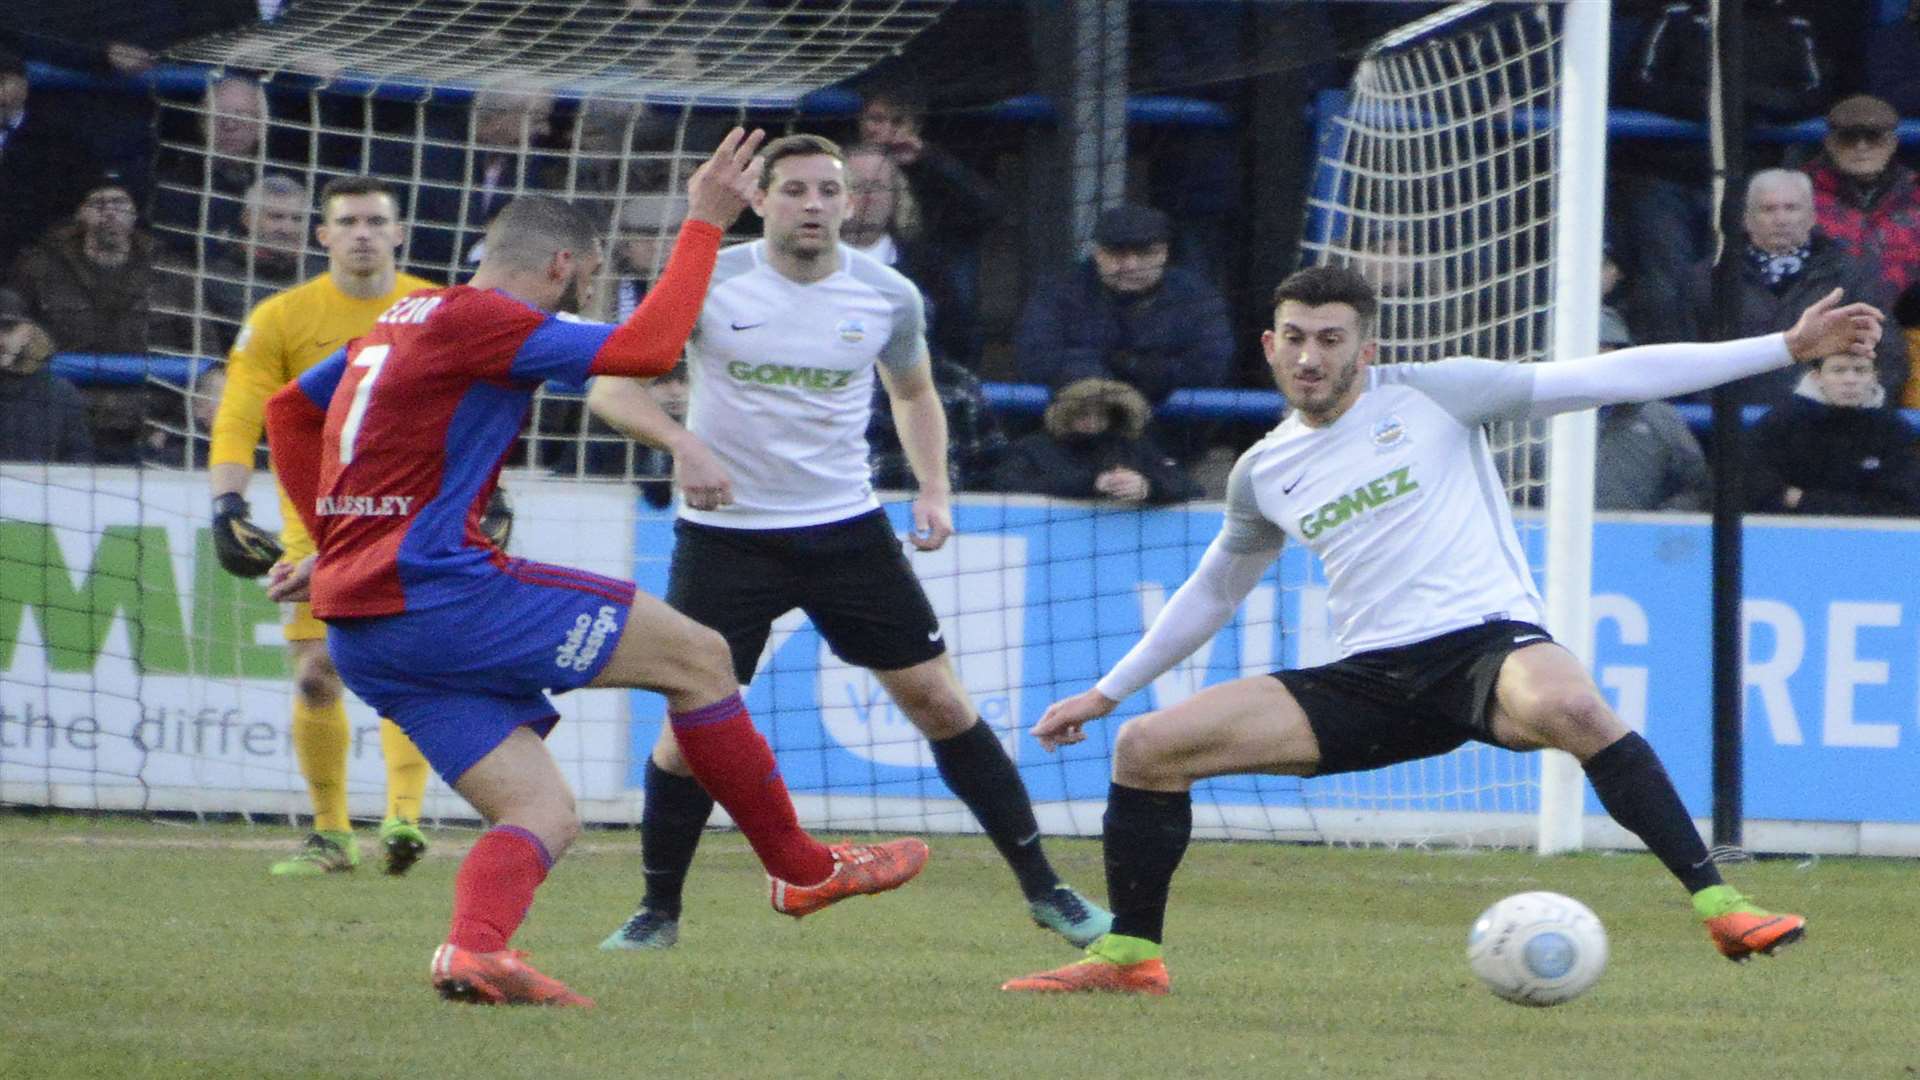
(1436, 183)
(138, 675)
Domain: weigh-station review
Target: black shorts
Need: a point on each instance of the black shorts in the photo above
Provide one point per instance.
(850, 577)
(1409, 702)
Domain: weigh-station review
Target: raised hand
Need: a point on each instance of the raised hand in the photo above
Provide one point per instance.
(721, 188)
(1828, 329)
(1063, 721)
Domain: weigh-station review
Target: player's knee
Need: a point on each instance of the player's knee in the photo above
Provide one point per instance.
(316, 681)
(1142, 750)
(1578, 721)
(935, 709)
(709, 666)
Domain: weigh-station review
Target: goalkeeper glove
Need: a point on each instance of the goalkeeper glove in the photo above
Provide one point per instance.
(244, 549)
(496, 521)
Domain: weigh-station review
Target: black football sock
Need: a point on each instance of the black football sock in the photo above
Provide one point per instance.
(1635, 789)
(1146, 836)
(672, 817)
(977, 769)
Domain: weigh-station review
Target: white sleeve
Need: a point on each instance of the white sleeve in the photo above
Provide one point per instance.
(1648, 372)
(1196, 611)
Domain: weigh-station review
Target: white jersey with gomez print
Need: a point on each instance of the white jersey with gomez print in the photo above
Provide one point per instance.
(782, 383)
(1401, 501)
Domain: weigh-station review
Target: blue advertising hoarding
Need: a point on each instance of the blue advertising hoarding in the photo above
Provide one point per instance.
(1039, 599)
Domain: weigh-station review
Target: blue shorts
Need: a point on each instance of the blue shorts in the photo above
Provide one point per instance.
(460, 677)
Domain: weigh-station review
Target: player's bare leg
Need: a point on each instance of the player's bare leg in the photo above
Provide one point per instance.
(1245, 726)
(975, 766)
(518, 788)
(665, 651)
(1544, 697)
(320, 742)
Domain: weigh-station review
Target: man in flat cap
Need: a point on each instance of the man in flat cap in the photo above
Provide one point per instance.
(1124, 314)
(1864, 199)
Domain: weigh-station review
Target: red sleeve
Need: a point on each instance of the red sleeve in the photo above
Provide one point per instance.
(295, 426)
(652, 338)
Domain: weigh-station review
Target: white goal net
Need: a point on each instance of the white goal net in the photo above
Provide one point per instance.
(136, 675)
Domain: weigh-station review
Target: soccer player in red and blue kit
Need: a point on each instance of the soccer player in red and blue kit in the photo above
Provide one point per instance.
(437, 628)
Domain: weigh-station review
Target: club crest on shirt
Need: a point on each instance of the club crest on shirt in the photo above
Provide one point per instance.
(851, 331)
(1389, 431)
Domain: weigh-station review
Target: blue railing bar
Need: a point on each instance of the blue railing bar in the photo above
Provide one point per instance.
(98, 369)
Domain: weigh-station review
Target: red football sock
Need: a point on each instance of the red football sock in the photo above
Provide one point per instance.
(736, 766)
(494, 887)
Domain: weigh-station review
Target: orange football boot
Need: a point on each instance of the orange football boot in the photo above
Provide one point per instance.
(1098, 975)
(858, 870)
(497, 978)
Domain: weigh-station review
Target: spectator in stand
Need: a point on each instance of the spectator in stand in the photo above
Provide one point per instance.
(499, 150)
(1864, 199)
(1834, 448)
(1788, 264)
(38, 161)
(214, 175)
(266, 255)
(956, 208)
(1094, 446)
(93, 285)
(648, 225)
(45, 416)
(1125, 315)
(975, 442)
(884, 221)
(1647, 458)
(1662, 195)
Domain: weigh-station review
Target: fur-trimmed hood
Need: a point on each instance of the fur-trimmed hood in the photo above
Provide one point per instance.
(1127, 407)
(1809, 387)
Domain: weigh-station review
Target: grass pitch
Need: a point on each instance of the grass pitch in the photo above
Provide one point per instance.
(134, 949)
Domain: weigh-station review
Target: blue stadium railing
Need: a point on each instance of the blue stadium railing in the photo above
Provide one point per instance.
(1016, 399)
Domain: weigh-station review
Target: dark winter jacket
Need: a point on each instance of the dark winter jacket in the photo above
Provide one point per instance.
(43, 417)
(1763, 311)
(1178, 335)
(89, 308)
(1844, 460)
(1056, 462)
(1880, 225)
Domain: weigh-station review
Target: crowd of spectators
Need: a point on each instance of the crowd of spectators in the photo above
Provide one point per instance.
(165, 248)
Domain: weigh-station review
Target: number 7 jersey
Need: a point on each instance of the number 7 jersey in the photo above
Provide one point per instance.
(420, 415)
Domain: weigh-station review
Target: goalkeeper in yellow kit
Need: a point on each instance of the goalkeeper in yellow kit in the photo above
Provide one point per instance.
(285, 335)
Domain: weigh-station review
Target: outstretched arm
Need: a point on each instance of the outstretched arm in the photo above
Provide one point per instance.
(1195, 612)
(1647, 372)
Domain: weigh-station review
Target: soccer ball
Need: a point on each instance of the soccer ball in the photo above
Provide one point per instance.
(1538, 948)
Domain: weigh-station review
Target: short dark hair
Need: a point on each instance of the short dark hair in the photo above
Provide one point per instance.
(341, 187)
(533, 228)
(1317, 285)
(796, 146)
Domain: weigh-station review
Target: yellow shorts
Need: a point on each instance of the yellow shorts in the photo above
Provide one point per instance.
(299, 624)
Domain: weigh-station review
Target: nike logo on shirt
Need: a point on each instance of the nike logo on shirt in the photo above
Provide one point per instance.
(746, 326)
(1288, 490)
